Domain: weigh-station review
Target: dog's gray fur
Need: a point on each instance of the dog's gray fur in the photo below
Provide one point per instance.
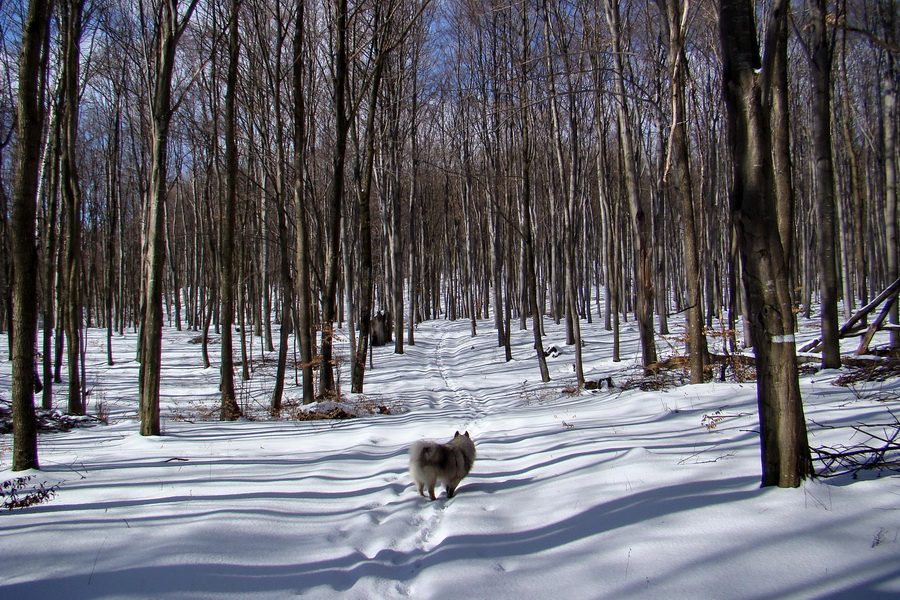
(430, 463)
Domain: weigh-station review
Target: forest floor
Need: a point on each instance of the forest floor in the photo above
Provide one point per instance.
(648, 489)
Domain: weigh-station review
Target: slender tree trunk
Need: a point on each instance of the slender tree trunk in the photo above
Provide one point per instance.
(24, 248)
(113, 167)
(857, 197)
(284, 240)
(327, 387)
(229, 410)
(640, 213)
(568, 179)
(303, 259)
(71, 193)
(678, 65)
(50, 263)
(169, 32)
(411, 217)
(785, 452)
(530, 283)
(366, 286)
(890, 82)
(827, 230)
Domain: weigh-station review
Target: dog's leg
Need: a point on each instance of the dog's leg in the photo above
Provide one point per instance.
(451, 488)
(431, 492)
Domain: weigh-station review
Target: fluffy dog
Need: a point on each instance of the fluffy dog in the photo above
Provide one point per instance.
(430, 463)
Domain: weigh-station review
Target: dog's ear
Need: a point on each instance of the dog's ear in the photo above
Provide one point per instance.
(466, 434)
(456, 434)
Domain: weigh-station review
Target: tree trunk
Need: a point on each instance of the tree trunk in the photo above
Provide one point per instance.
(327, 387)
(24, 248)
(304, 279)
(785, 452)
(820, 69)
(890, 81)
(640, 213)
(678, 65)
(366, 286)
(857, 198)
(528, 267)
(568, 179)
(775, 98)
(113, 168)
(229, 410)
(71, 194)
(50, 263)
(169, 30)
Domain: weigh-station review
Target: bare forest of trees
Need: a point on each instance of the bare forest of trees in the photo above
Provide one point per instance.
(290, 167)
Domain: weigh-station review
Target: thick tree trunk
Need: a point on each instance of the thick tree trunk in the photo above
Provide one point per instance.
(775, 98)
(24, 248)
(785, 452)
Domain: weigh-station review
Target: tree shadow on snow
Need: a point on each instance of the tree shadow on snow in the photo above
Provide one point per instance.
(342, 573)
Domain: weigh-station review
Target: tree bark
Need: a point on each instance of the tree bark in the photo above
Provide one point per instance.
(169, 31)
(229, 409)
(640, 213)
(827, 231)
(366, 286)
(528, 267)
(24, 248)
(776, 101)
(568, 180)
(340, 16)
(676, 15)
(890, 82)
(303, 276)
(72, 201)
(785, 452)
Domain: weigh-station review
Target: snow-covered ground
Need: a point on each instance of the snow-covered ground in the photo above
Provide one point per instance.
(609, 494)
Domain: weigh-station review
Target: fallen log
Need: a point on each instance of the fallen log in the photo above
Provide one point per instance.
(847, 329)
